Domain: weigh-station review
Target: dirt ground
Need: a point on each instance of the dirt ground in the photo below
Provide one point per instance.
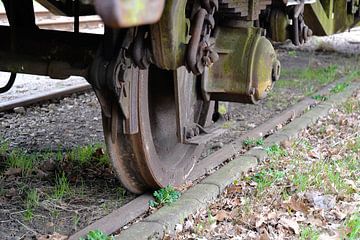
(69, 182)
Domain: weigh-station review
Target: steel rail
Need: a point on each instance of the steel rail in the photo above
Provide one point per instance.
(43, 97)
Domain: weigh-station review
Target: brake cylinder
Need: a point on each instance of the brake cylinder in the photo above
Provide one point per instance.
(247, 67)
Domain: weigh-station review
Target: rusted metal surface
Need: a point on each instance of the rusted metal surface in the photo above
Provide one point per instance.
(124, 13)
(200, 52)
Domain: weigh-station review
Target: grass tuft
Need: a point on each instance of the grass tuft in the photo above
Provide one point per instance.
(97, 235)
(62, 187)
(31, 202)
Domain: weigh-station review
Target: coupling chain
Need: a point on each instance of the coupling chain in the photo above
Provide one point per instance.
(200, 52)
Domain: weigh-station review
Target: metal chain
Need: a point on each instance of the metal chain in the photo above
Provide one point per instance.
(200, 52)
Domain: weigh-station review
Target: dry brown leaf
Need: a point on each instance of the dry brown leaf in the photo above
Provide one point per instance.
(264, 235)
(290, 224)
(233, 189)
(222, 215)
(315, 221)
(297, 205)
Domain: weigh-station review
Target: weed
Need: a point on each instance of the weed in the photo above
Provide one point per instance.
(97, 235)
(31, 202)
(88, 154)
(163, 196)
(301, 181)
(267, 177)
(276, 151)
(121, 193)
(292, 53)
(4, 147)
(309, 233)
(253, 142)
(320, 98)
(222, 109)
(339, 87)
(352, 227)
(62, 187)
(19, 159)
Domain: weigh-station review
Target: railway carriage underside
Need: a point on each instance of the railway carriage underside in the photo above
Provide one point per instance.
(161, 67)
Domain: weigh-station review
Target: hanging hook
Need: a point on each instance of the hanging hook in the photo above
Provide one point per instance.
(9, 84)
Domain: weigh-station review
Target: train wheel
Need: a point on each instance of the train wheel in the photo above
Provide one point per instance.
(155, 156)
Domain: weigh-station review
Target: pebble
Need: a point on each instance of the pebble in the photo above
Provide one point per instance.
(20, 110)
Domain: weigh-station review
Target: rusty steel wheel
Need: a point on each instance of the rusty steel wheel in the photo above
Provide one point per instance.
(155, 156)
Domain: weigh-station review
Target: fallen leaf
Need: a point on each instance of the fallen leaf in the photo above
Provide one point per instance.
(233, 189)
(222, 215)
(297, 205)
(264, 235)
(290, 224)
(315, 221)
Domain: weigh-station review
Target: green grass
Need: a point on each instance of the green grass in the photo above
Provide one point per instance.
(250, 142)
(4, 147)
(292, 53)
(339, 87)
(308, 80)
(321, 98)
(266, 178)
(97, 235)
(31, 202)
(352, 227)
(309, 233)
(276, 151)
(62, 187)
(20, 159)
(87, 155)
(165, 195)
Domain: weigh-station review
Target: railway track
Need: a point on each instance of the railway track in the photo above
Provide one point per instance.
(43, 97)
(47, 20)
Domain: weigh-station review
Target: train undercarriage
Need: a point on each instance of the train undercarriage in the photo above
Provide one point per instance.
(161, 67)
